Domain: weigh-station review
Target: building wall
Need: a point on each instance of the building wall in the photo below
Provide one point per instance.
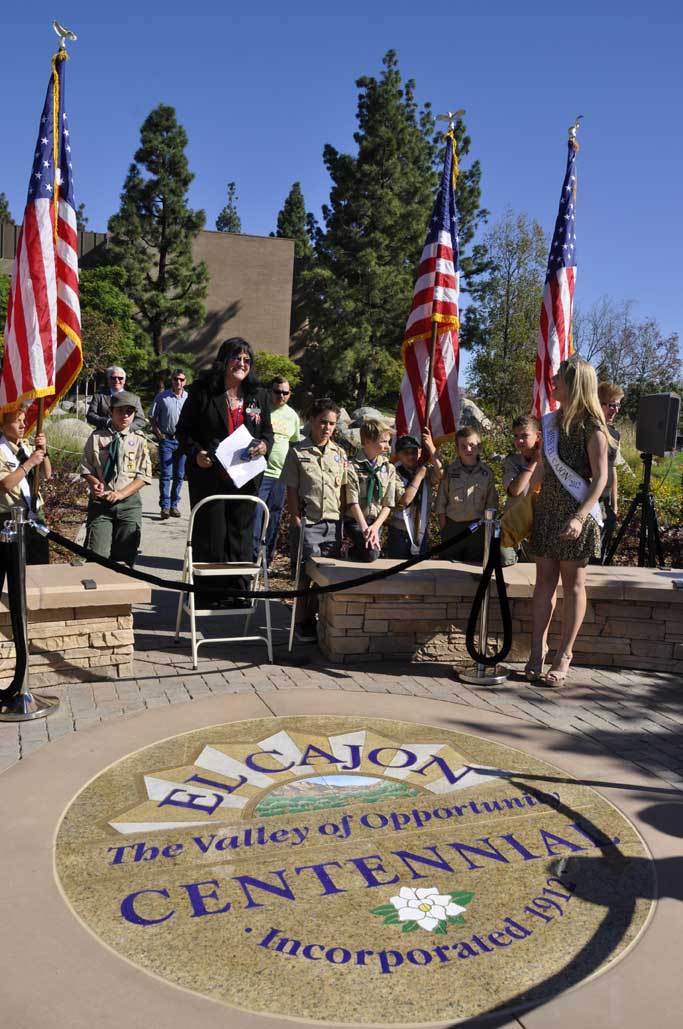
(250, 287)
(250, 292)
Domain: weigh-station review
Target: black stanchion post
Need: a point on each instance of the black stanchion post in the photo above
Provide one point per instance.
(17, 703)
(480, 676)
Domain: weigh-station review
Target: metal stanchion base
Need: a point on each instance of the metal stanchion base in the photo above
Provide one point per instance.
(479, 676)
(27, 706)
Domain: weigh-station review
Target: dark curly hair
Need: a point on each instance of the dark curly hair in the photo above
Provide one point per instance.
(228, 350)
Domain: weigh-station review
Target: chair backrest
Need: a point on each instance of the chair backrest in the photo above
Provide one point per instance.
(241, 497)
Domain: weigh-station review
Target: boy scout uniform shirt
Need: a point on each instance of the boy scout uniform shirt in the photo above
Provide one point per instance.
(466, 491)
(513, 464)
(134, 460)
(391, 489)
(317, 474)
(15, 497)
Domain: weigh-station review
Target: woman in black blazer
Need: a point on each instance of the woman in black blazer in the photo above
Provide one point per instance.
(218, 402)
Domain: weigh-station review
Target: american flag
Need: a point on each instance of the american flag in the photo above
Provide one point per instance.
(43, 354)
(555, 329)
(435, 298)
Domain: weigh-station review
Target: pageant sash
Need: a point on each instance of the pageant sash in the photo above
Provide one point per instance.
(575, 484)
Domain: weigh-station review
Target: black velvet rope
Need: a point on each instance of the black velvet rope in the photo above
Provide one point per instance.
(492, 565)
(186, 587)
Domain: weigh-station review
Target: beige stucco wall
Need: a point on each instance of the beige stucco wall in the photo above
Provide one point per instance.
(250, 292)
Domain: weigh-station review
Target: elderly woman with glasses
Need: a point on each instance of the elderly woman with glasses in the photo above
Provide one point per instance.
(218, 403)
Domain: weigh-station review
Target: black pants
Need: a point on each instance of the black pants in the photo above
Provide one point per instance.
(223, 531)
(359, 551)
(469, 549)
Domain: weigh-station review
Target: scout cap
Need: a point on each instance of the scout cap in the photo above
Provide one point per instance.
(407, 443)
(123, 399)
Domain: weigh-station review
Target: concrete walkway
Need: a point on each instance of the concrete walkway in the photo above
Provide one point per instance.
(636, 717)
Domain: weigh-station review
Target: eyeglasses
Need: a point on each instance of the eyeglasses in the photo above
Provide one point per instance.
(117, 378)
(242, 359)
(176, 378)
(282, 392)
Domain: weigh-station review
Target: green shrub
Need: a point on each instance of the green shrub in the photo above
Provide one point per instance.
(267, 366)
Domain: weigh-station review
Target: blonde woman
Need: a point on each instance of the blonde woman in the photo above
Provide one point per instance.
(566, 534)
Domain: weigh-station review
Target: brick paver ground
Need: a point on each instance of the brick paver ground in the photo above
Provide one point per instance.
(635, 715)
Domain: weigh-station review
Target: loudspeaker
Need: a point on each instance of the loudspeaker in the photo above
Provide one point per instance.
(657, 424)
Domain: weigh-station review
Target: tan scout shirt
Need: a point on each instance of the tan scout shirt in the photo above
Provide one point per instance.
(134, 459)
(466, 492)
(15, 497)
(513, 464)
(317, 475)
(359, 481)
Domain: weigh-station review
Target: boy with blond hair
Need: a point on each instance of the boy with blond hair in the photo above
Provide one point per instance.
(371, 493)
(466, 491)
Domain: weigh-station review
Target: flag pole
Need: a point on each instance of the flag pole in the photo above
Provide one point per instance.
(451, 117)
(39, 429)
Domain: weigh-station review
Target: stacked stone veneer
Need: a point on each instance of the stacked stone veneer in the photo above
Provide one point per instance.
(75, 635)
(634, 617)
(72, 645)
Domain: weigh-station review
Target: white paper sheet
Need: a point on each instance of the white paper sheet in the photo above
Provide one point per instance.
(232, 454)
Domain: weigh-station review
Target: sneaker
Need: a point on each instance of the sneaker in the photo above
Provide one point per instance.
(165, 513)
(175, 513)
(306, 632)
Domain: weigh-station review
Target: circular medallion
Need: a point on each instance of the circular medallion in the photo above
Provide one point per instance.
(354, 870)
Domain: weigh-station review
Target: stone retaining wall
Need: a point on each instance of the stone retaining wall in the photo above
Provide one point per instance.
(75, 635)
(72, 644)
(634, 617)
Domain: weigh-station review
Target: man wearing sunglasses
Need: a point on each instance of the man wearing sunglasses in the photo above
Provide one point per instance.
(164, 414)
(286, 427)
(99, 411)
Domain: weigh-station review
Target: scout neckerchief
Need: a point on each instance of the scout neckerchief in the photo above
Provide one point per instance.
(422, 496)
(575, 484)
(374, 482)
(14, 460)
(113, 462)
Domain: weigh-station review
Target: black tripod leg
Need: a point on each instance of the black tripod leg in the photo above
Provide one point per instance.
(655, 540)
(622, 528)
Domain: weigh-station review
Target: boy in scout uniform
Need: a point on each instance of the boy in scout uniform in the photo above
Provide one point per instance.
(518, 468)
(315, 472)
(418, 470)
(371, 492)
(116, 465)
(466, 491)
(18, 461)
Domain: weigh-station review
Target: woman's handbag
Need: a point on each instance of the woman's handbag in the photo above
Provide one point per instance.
(517, 520)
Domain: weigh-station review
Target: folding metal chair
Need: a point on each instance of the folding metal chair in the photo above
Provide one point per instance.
(195, 572)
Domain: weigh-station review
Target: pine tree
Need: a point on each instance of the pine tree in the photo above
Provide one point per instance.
(228, 220)
(295, 223)
(374, 228)
(81, 218)
(152, 233)
(5, 213)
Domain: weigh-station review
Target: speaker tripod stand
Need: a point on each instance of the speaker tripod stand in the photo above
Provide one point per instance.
(650, 551)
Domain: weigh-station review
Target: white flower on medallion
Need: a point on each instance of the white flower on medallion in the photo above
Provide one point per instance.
(426, 906)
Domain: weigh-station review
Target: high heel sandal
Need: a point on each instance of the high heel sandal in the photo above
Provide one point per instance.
(533, 673)
(557, 677)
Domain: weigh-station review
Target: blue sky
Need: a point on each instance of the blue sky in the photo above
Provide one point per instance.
(260, 88)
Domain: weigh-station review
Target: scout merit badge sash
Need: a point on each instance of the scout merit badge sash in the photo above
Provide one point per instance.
(422, 494)
(575, 485)
(13, 460)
